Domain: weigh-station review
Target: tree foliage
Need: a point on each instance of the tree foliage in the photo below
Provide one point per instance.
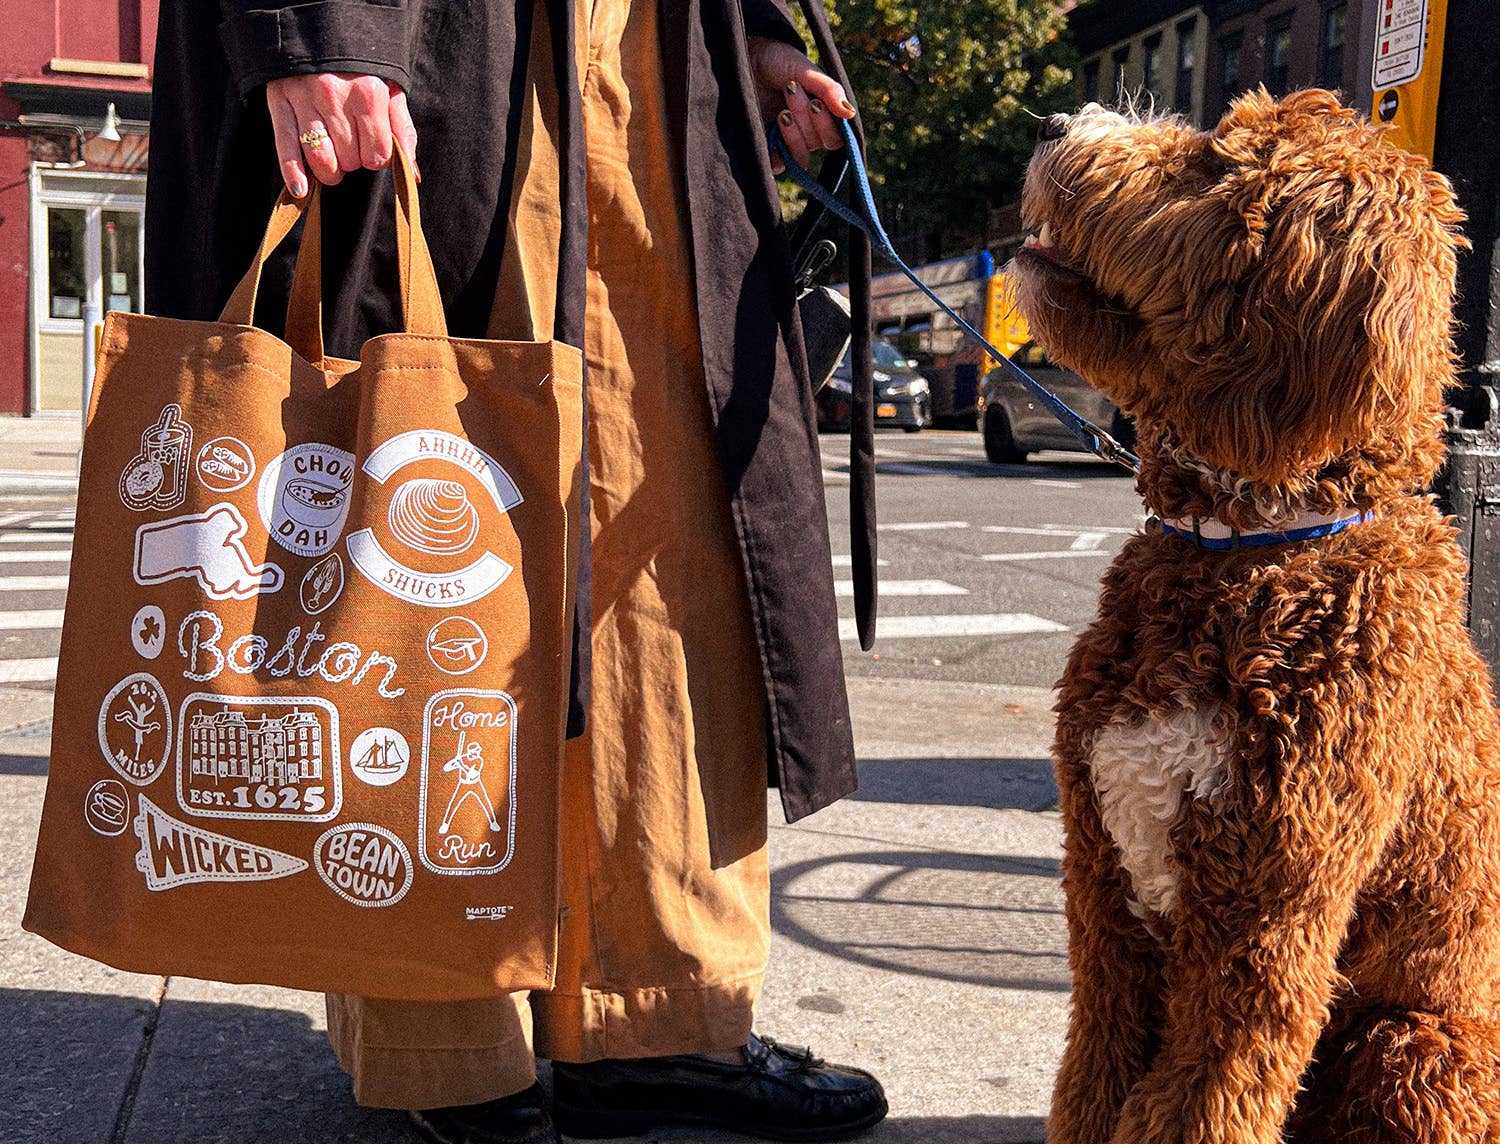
(945, 87)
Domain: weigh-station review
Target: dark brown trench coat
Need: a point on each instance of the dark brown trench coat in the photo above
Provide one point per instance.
(213, 177)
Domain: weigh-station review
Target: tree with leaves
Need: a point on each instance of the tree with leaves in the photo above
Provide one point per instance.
(945, 88)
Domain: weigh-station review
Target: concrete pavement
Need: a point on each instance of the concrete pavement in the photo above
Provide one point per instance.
(918, 933)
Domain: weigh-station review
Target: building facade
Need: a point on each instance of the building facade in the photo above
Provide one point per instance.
(71, 202)
(1194, 58)
(278, 751)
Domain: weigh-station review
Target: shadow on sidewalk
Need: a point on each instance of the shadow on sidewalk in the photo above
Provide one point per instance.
(983, 919)
(238, 1074)
(997, 784)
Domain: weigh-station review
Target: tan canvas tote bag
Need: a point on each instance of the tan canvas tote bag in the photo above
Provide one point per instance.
(312, 689)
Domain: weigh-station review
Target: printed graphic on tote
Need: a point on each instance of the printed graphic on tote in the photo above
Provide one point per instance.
(176, 853)
(379, 756)
(225, 464)
(303, 653)
(323, 584)
(258, 758)
(156, 477)
(438, 519)
(106, 808)
(456, 645)
(135, 728)
(468, 799)
(148, 632)
(363, 863)
(207, 547)
(303, 497)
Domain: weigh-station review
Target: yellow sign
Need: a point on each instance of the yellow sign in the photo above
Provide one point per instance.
(1004, 324)
(1408, 69)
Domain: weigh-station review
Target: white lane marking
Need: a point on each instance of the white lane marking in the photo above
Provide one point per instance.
(882, 451)
(28, 670)
(1059, 530)
(832, 475)
(998, 557)
(1087, 540)
(36, 556)
(923, 525)
(1056, 484)
(910, 469)
(24, 538)
(41, 620)
(920, 627)
(33, 583)
(14, 518)
(906, 588)
(848, 562)
(50, 524)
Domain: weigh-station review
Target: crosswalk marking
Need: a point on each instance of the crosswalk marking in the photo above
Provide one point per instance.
(28, 670)
(36, 556)
(33, 583)
(923, 525)
(929, 627)
(41, 620)
(1061, 554)
(848, 562)
(906, 588)
(26, 538)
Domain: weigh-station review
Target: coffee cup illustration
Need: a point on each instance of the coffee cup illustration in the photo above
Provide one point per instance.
(156, 477)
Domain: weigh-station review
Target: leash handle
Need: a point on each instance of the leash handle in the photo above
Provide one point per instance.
(867, 219)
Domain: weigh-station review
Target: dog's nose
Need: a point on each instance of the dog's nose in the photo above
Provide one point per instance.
(1054, 127)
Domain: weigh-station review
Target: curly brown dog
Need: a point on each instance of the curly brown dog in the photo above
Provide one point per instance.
(1277, 747)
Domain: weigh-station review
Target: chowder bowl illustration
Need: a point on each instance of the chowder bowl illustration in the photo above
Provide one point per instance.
(433, 516)
(313, 502)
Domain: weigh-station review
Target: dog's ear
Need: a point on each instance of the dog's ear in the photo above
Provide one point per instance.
(1320, 323)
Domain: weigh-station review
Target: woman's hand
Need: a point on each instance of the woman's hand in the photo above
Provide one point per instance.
(333, 123)
(802, 100)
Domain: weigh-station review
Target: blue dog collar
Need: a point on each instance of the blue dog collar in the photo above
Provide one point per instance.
(1214, 536)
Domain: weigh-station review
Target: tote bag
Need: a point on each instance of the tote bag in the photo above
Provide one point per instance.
(312, 689)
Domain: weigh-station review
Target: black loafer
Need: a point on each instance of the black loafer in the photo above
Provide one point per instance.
(776, 1093)
(518, 1119)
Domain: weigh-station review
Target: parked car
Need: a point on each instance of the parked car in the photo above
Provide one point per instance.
(1015, 424)
(902, 395)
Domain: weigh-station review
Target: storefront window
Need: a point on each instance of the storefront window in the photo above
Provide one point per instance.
(120, 255)
(65, 262)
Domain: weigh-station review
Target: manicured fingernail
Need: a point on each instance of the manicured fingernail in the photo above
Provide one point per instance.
(298, 186)
(785, 118)
(817, 106)
(846, 105)
(791, 87)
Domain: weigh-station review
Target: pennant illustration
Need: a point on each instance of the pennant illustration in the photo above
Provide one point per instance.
(173, 853)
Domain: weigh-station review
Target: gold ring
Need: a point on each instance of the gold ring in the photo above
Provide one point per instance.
(314, 138)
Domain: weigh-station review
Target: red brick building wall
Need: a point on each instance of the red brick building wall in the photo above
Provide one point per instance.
(34, 34)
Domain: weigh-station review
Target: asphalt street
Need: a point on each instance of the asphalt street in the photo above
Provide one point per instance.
(987, 571)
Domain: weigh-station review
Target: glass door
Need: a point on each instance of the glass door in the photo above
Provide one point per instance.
(87, 251)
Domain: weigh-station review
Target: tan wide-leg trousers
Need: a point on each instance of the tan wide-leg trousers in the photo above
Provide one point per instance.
(664, 926)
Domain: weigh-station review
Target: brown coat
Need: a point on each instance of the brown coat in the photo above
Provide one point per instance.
(213, 178)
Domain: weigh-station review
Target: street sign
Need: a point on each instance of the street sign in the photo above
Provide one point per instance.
(1406, 69)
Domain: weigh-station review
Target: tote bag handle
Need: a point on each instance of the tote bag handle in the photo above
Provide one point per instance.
(421, 302)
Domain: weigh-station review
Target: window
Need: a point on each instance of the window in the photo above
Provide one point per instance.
(1151, 84)
(1121, 60)
(1187, 64)
(1091, 81)
(1279, 54)
(1331, 49)
(120, 255)
(1231, 66)
(65, 262)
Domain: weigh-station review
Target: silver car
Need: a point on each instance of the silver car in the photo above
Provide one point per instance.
(1015, 424)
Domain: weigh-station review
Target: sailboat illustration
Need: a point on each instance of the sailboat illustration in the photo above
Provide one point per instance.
(381, 756)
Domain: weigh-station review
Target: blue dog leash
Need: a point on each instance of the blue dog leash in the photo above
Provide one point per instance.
(867, 218)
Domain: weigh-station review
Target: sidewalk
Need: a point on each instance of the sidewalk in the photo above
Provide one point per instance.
(919, 933)
(39, 454)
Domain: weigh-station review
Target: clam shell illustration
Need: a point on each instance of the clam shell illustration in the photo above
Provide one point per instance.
(434, 516)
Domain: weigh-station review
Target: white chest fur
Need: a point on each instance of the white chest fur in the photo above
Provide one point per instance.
(1141, 772)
